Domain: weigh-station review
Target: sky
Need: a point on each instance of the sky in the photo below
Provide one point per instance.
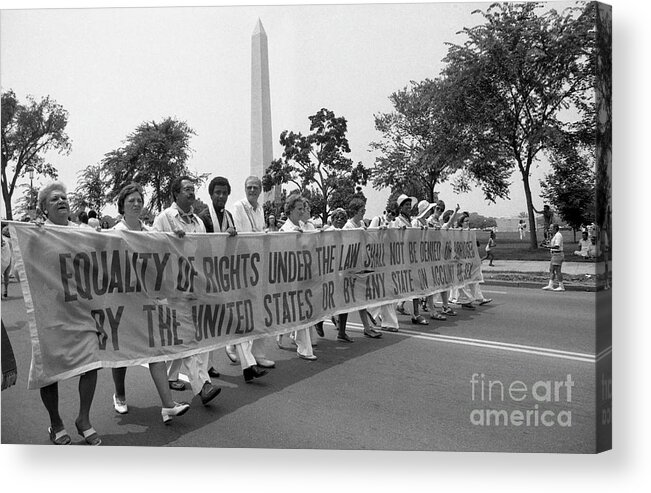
(114, 68)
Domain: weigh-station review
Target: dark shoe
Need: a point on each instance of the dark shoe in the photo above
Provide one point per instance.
(467, 306)
(344, 338)
(401, 310)
(176, 385)
(335, 322)
(253, 372)
(319, 330)
(213, 373)
(208, 393)
(419, 320)
(446, 310)
(90, 435)
(373, 334)
(61, 437)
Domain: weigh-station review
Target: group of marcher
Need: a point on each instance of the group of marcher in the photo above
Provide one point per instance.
(245, 215)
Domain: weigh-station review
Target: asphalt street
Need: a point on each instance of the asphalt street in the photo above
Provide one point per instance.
(528, 358)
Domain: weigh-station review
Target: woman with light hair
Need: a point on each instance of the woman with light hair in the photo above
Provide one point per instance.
(53, 202)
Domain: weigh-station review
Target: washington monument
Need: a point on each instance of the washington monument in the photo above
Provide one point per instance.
(261, 140)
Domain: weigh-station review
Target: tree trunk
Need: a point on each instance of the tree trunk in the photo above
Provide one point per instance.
(533, 241)
(7, 198)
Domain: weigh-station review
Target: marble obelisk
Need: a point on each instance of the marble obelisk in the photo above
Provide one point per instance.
(261, 140)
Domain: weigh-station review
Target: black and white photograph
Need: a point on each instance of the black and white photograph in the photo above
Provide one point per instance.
(372, 227)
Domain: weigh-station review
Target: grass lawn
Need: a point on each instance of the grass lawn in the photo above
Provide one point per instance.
(511, 247)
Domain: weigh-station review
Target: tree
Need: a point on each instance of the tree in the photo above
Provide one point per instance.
(317, 162)
(26, 204)
(28, 132)
(90, 190)
(420, 146)
(477, 221)
(511, 83)
(153, 155)
(571, 187)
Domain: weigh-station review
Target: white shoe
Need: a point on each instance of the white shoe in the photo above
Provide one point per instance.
(120, 406)
(232, 354)
(549, 287)
(265, 363)
(179, 409)
(560, 287)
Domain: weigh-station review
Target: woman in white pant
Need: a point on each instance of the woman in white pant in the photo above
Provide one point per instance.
(294, 207)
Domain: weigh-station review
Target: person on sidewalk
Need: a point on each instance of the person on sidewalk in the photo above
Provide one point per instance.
(490, 247)
(179, 218)
(217, 219)
(556, 250)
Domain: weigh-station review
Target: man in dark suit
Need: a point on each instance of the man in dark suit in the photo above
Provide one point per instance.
(218, 220)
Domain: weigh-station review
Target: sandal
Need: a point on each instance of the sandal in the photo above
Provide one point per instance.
(61, 437)
(438, 316)
(90, 435)
(419, 320)
(389, 329)
(485, 301)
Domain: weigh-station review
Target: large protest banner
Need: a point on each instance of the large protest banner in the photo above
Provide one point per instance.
(116, 298)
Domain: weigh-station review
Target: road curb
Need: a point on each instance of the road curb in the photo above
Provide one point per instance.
(536, 285)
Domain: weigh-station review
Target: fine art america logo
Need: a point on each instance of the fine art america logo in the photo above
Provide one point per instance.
(497, 403)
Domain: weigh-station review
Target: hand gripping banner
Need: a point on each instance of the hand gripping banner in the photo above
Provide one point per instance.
(122, 298)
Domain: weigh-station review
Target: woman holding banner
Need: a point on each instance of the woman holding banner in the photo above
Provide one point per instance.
(294, 206)
(53, 202)
(356, 210)
(130, 202)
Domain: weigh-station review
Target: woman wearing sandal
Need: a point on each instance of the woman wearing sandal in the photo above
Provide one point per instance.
(130, 203)
(53, 202)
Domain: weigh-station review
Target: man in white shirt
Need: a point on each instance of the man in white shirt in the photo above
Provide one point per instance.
(180, 219)
(584, 246)
(248, 216)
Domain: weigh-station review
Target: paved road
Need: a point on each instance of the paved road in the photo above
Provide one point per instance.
(407, 391)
